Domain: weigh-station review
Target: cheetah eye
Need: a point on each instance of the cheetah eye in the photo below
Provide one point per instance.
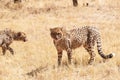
(58, 33)
(52, 33)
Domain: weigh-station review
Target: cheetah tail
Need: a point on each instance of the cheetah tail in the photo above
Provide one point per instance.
(99, 48)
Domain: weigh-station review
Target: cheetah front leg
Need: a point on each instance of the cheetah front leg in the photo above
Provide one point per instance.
(69, 53)
(59, 57)
(69, 50)
(11, 50)
(4, 48)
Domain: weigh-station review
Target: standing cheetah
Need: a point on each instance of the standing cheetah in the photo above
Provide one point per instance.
(6, 38)
(68, 40)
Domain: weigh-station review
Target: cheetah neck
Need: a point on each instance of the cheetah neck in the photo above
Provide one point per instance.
(15, 36)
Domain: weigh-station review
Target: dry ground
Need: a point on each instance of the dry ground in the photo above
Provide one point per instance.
(35, 17)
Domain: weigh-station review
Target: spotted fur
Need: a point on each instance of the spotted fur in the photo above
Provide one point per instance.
(69, 40)
(7, 36)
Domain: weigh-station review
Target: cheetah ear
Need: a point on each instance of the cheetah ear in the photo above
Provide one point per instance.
(19, 34)
(7, 30)
(51, 29)
(63, 28)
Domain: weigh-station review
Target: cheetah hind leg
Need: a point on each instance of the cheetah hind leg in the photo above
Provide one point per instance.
(92, 55)
(89, 46)
(92, 58)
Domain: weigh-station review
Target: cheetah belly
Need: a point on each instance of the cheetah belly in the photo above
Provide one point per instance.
(75, 44)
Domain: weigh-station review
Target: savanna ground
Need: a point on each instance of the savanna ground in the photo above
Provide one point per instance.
(36, 17)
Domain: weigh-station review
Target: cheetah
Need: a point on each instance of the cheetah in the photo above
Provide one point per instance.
(86, 36)
(7, 36)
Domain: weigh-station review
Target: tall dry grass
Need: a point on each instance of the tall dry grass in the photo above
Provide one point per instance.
(38, 55)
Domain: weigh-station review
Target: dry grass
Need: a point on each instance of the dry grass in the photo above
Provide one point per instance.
(38, 55)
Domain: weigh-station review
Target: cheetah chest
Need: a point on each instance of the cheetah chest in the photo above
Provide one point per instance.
(62, 44)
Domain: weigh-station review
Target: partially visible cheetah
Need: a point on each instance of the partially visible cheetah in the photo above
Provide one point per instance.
(17, 1)
(68, 40)
(6, 38)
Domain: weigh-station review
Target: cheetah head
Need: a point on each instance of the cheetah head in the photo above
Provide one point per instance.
(56, 33)
(21, 36)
